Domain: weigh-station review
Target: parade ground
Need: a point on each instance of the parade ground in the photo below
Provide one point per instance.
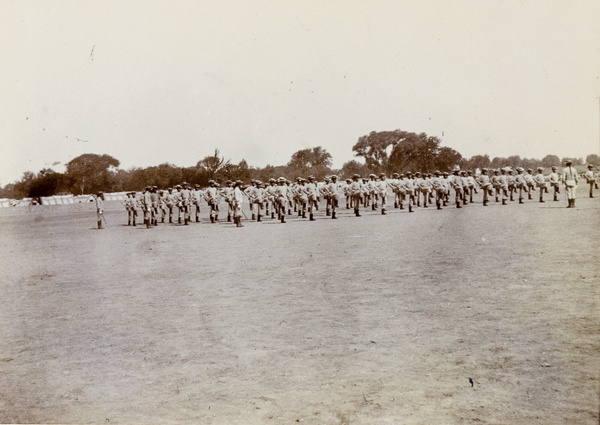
(483, 315)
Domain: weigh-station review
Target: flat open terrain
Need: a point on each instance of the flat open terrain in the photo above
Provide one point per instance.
(370, 320)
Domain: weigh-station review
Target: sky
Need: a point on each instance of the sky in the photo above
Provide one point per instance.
(150, 82)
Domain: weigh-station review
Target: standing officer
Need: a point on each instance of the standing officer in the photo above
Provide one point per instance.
(570, 179)
(238, 199)
(99, 208)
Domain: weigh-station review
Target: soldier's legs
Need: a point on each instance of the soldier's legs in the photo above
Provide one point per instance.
(541, 193)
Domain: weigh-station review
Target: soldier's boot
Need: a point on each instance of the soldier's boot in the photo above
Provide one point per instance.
(299, 213)
(311, 218)
(216, 217)
(465, 201)
(147, 224)
(458, 205)
(546, 189)
(289, 211)
(333, 215)
(445, 204)
(99, 224)
(282, 218)
(347, 206)
(485, 203)
(569, 203)
(541, 198)
(511, 197)
(303, 213)
(357, 212)
(212, 219)
(395, 204)
(373, 206)
(591, 192)
(555, 196)
(401, 206)
(424, 203)
(179, 220)
(438, 205)
(197, 218)
(497, 199)
(471, 198)
(239, 222)
(521, 201)
(572, 203)
(327, 212)
(272, 215)
(228, 218)
(376, 205)
(295, 208)
(129, 222)
(383, 211)
(504, 202)
(410, 208)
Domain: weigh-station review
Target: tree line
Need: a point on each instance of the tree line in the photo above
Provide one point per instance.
(385, 151)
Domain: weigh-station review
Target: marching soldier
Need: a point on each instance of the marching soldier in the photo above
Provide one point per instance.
(227, 193)
(281, 198)
(155, 201)
(554, 180)
(503, 179)
(458, 188)
(591, 179)
(530, 182)
(512, 184)
(381, 190)
(184, 196)
(356, 190)
(520, 183)
(169, 201)
(438, 187)
(130, 206)
(472, 185)
(540, 181)
(486, 186)
(570, 179)
(312, 195)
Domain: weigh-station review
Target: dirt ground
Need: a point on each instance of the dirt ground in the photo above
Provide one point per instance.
(370, 320)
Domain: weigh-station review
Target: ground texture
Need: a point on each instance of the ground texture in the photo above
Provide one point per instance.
(370, 320)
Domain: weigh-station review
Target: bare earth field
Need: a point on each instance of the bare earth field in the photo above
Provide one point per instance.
(370, 320)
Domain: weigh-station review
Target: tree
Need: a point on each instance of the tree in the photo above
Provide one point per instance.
(478, 161)
(92, 173)
(575, 161)
(354, 167)
(415, 152)
(593, 159)
(550, 160)
(213, 165)
(307, 158)
(375, 147)
(447, 158)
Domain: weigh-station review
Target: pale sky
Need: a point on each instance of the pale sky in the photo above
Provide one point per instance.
(150, 82)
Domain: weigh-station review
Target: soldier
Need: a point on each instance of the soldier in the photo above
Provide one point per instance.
(486, 186)
(100, 208)
(520, 183)
(409, 188)
(130, 206)
(334, 195)
(227, 193)
(347, 193)
(312, 195)
(195, 200)
(540, 181)
(465, 184)
(281, 198)
(503, 179)
(238, 199)
(184, 196)
(356, 190)
(570, 179)
(324, 193)
(162, 205)
(381, 190)
(472, 185)
(301, 196)
(421, 187)
(372, 194)
(496, 184)
(270, 197)
(438, 187)
(530, 182)
(155, 201)
(591, 179)
(210, 194)
(147, 207)
(512, 183)
(458, 188)
(554, 180)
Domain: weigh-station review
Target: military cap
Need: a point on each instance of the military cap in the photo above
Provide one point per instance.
(590, 166)
(334, 177)
(382, 175)
(395, 175)
(348, 180)
(356, 176)
(529, 170)
(271, 180)
(554, 167)
(446, 173)
(540, 168)
(568, 162)
(311, 177)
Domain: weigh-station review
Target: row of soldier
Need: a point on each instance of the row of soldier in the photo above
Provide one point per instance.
(280, 197)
